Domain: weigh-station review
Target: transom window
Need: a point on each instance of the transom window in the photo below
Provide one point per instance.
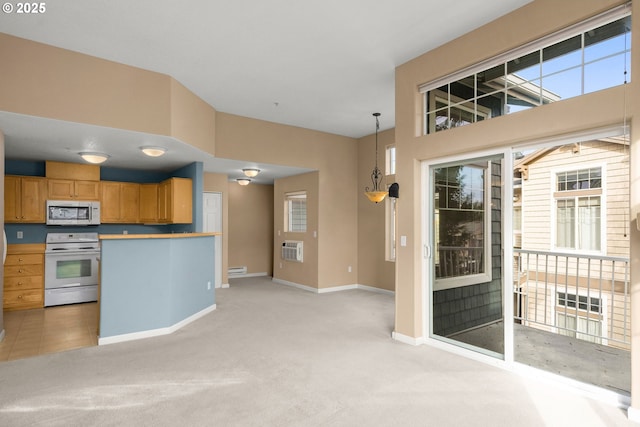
(578, 202)
(584, 58)
(581, 302)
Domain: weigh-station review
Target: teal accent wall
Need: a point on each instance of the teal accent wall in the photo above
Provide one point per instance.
(148, 284)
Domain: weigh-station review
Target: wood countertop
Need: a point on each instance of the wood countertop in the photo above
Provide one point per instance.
(155, 236)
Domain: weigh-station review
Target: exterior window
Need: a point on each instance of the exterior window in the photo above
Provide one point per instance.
(461, 221)
(585, 323)
(573, 62)
(390, 160)
(391, 229)
(295, 212)
(578, 201)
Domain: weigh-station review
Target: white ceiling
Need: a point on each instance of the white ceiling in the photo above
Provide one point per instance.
(323, 65)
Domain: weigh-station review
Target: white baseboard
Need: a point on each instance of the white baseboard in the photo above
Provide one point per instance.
(633, 414)
(224, 286)
(336, 289)
(155, 332)
(295, 285)
(374, 289)
(407, 339)
(333, 288)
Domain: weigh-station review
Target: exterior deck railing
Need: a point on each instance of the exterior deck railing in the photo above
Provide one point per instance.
(583, 296)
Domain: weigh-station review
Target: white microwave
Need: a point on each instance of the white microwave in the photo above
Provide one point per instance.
(73, 212)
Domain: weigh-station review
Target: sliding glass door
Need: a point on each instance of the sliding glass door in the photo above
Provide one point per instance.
(465, 249)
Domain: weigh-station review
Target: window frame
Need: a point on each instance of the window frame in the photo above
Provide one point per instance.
(486, 275)
(289, 198)
(616, 13)
(576, 195)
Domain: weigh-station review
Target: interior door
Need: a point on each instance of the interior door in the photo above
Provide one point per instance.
(465, 242)
(212, 222)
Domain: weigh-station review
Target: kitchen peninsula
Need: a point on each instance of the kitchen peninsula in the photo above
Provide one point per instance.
(153, 284)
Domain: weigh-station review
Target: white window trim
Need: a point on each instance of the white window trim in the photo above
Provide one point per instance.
(474, 279)
(603, 208)
(545, 41)
(391, 229)
(288, 196)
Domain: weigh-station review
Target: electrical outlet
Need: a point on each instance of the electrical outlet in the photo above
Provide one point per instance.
(208, 285)
(125, 231)
(19, 235)
(349, 269)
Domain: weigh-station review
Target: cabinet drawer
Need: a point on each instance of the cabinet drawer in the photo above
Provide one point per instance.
(23, 270)
(20, 259)
(21, 283)
(14, 300)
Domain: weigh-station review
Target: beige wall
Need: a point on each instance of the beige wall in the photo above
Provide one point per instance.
(335, 157)
(306, 272)
(46, 81)
(373, 269)
(590, 111)
(251, 227)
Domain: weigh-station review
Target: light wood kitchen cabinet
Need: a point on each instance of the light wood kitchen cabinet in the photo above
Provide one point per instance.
(74, 171)
(24, 277)
(24, 199)
(175, 201)
(149, 203)
(69, 189)
(119, 202)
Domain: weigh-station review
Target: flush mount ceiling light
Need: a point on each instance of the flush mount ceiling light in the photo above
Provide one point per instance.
(376, 194)
(251, 172)
(243, 181)
(95, 158)
(153, 151)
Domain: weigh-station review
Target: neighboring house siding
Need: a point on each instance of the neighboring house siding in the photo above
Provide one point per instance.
(542, 277)
(537, 194)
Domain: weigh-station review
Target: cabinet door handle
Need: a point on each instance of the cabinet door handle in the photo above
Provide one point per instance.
(19, 296)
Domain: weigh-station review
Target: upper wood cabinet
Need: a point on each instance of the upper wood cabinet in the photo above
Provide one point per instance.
(24, 199)
(68, 189)
(175, 201)
(149, 203)
(73, 171)
(119, 202)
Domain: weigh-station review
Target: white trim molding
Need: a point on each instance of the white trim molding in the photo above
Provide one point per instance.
(333, 288)
(405, 339)
(633, 414)
(156, 332)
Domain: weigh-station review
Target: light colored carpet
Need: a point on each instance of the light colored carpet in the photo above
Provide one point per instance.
(271, 355)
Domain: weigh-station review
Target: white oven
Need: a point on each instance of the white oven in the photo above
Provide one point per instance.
(71, 268)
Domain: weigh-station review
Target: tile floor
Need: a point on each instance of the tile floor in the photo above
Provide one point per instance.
(48, 330)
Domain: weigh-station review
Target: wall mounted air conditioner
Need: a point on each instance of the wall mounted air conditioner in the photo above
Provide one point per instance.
(292, 251)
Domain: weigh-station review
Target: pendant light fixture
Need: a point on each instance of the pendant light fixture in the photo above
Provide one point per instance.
(376, 194)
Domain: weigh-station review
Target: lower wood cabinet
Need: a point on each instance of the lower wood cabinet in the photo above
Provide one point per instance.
(24, 277)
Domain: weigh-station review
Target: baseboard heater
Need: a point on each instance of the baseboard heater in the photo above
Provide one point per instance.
(237, 271)
(292, 250)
